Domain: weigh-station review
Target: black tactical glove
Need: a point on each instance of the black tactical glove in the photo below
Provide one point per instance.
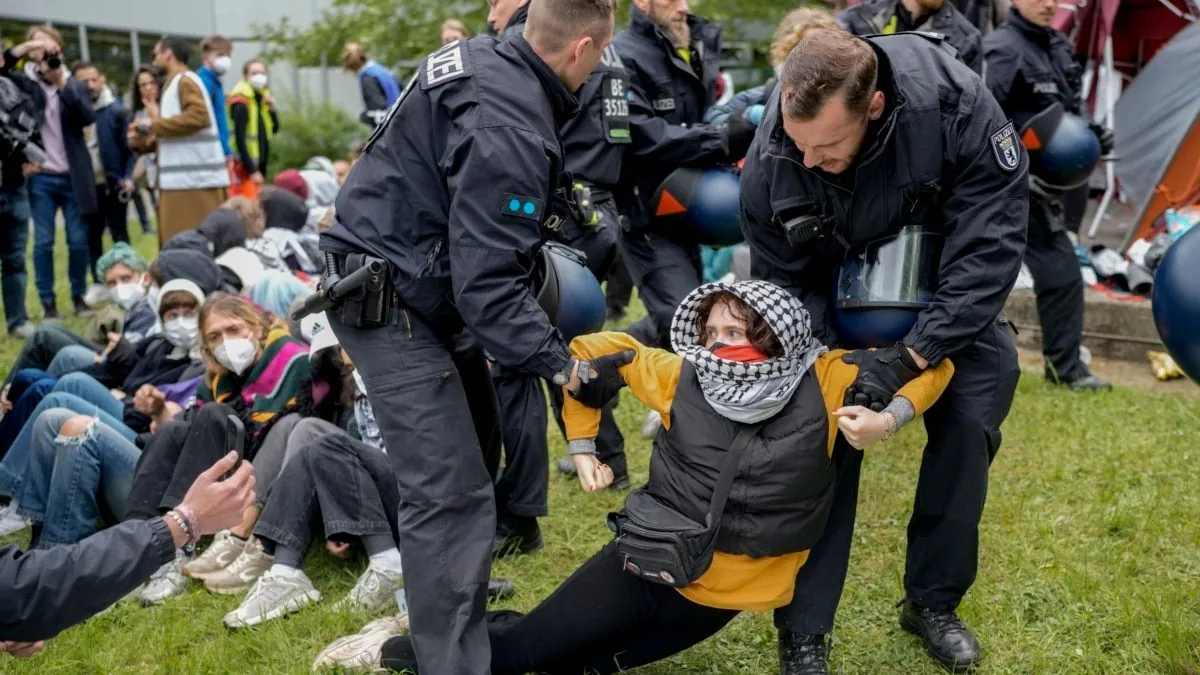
(881, 373)
(739, 134)
(603, 382)
(1105, 136)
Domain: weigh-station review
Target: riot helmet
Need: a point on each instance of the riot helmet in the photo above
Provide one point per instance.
(702, 204)
(1062, 149)
(568, 291)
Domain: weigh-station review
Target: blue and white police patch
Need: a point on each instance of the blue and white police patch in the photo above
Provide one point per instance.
(446, 64)
(521, 207)
(1004, 146)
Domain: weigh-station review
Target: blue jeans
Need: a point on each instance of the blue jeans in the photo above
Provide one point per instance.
(41, 348)
(70, 359)
(29, 386)
(47, 194)
(14, 237)
(71, 477)
(96, 401)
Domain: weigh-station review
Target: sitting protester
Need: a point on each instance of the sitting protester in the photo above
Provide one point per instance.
(276, 292)
(240, 269)
(237, 220)
(746, 377)
(253, 370)
(194, 265)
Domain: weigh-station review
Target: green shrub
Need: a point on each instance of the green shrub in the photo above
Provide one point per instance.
(309, 127)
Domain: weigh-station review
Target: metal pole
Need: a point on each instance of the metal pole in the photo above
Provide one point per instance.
(137, 50)
(84, 52)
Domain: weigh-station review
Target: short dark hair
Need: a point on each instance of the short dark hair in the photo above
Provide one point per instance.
(246, 66)
(84, 65)
(178, 46)
(554, 23)
(215, 43)
(760, 334)
(176, 300)
(824, 63)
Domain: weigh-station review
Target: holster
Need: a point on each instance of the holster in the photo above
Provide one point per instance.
(370, 304)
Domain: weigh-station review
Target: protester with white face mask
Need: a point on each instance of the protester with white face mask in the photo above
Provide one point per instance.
(214, 57)
(254, 121)
(254, 370)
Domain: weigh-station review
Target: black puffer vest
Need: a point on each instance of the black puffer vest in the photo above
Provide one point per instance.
(784, 485)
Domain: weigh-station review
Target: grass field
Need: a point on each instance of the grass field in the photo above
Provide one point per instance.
(1090, 561)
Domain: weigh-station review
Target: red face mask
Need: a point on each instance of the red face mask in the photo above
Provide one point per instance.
(740, 353)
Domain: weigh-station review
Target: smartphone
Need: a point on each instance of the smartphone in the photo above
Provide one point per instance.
(235, 439)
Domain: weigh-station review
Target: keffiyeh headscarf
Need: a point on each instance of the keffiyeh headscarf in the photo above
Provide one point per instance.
(749, 392)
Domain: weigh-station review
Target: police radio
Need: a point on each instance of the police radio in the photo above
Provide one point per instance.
(803, 229)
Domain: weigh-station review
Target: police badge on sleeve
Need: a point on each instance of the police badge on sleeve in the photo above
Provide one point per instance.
(1004, 146)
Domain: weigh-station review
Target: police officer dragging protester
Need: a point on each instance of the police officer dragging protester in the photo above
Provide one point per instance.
(884, 17)
(1030, 71)
(446, 209)
(594, 142)
(867, 144)
(672, 58)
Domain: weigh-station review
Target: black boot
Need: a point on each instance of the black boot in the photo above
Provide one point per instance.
(49, 310)
(1088, 382)
(516, 534)
(801, 654)
(946, 637)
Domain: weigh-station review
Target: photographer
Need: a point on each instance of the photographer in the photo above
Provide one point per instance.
(19, 118)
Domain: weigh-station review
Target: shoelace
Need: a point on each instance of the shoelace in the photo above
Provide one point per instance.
(942, 622)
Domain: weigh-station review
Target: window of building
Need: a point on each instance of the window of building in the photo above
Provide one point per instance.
(112, 52)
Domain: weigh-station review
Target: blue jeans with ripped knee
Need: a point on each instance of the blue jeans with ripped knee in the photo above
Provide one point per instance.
(74, 478)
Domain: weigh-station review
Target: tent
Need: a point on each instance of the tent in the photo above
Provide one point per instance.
(1157, 127)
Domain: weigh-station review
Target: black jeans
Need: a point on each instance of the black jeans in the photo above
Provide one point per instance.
(600, 620)
(1058, 284)
(176, 455)
(665, 271)
(346, 484)
(111, 214)
(430, 393)
(943, 532)
(39, 350)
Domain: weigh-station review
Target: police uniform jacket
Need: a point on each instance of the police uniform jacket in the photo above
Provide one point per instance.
(454, 189)
(667, 99)
(594, 139)
(1030, 68)
(942, 155)
(890, 16)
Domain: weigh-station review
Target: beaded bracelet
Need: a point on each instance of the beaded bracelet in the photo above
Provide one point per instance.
(190, 544)
(190, 515)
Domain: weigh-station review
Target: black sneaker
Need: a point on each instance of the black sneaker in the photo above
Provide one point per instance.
(50, 310)
(516, 535)
(81, 307)
(947, 639)
(801, 654)
(1088, 382)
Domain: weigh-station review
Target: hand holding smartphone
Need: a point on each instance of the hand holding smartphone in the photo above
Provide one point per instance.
(235, 440)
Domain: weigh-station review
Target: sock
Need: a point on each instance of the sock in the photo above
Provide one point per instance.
(278, 570)
(287, 557)
(388, 560)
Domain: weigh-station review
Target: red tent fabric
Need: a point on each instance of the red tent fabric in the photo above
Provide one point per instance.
(1142, 28)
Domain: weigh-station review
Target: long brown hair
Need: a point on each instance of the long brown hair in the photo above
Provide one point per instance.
(758, 331)
(234, 306)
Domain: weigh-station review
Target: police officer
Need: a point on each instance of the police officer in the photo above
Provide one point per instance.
(884, 17)
(861, 138)
(1030, 68)
(594, 141)
(672, 58)
(453, 191)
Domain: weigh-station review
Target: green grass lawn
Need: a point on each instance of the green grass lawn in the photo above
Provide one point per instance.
(1090, 561)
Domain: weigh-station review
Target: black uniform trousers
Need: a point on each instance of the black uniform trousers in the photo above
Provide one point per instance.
(1058, 284)
(618, 288)
(111, 214)
(430, 392)
(665, 271)
(943, 532)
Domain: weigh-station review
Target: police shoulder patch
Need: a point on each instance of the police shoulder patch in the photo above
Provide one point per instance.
(1004, 146)
(446, 64)
(521, 207)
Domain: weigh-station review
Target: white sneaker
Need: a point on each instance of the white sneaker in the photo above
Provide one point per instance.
(652, 424)
(166, 582)
(10, 521)
(242, 572)
(273, 596)
(225, 548)
(376, 588)
(95, 295)
(364, 649)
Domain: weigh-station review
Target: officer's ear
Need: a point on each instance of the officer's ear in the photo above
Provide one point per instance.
(583, 48)
(875, 107)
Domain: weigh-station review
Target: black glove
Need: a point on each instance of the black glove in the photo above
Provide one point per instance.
(603, 382)
(1105, 136)
(739, 134)
(881, 373)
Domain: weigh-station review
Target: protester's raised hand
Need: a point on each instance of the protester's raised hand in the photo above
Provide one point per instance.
(218, 504)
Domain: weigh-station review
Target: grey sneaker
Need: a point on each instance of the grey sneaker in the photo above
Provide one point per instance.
(242, 572)
(652, 424)
(166, 582)
(271, 597)
(23, 331)
(11, 522)
(364, 649)
(376, 588)
(225, 548)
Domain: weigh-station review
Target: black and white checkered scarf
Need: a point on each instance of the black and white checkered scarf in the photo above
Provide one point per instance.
(749, 392)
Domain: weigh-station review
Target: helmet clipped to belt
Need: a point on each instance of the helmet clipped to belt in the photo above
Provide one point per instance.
(882, 288)
(703, 204)
(568, 291)
(1062, 149)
